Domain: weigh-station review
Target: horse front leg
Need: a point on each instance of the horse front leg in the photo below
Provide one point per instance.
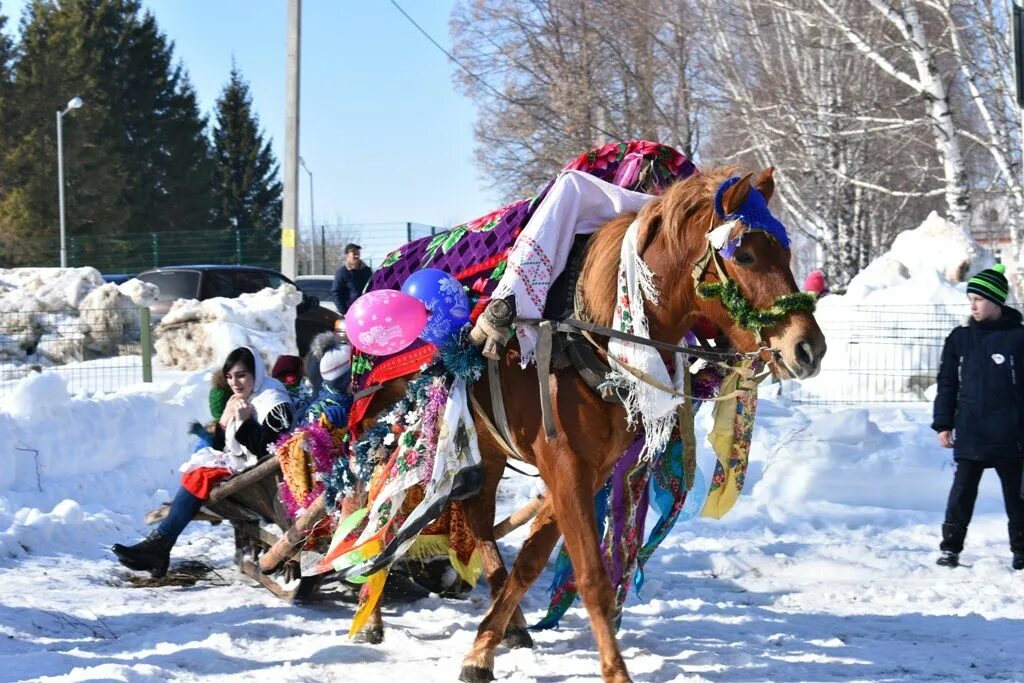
(478, 665)
(480, 513)
(572, 491)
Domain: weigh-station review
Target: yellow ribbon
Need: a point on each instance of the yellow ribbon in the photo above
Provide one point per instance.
(732, 453)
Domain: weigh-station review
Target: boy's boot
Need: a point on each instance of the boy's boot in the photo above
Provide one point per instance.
(951, 546)
(1017, 547)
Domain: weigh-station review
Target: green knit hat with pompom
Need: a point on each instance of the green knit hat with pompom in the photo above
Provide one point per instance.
(990, 284)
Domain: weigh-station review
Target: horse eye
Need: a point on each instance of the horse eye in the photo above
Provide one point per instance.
(744, 258)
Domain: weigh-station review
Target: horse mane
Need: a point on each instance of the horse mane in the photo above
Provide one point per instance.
(687, 206)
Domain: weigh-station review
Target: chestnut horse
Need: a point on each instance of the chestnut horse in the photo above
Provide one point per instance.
(592, 433)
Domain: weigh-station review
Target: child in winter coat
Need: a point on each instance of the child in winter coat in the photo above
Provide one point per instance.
(979, 411)
(258, 410)
(334, 400)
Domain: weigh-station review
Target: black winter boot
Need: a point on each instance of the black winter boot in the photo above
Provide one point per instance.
(151, 555)
(1017, 547)
(951, 546)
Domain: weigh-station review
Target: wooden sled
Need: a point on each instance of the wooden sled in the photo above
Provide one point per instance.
(245, 500)
(250, 497)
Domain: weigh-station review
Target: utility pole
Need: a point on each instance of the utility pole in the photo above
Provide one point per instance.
(290, 204)
(312, 222)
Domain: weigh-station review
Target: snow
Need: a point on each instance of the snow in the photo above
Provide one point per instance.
(895, 314)
(823, 571)
(68, 321)
(51, 317)
(195, 334)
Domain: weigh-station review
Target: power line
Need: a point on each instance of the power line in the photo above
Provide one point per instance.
(487, 85)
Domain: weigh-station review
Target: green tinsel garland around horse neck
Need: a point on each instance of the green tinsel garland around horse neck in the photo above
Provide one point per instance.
(748, 317)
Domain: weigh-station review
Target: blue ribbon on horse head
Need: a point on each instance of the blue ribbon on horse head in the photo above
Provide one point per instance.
(753, 213)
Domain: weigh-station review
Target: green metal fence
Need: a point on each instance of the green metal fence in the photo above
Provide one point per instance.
(320, 250)
(95, 350)
(136, 252)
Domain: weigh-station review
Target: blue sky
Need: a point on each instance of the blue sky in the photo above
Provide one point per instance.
(383, 129)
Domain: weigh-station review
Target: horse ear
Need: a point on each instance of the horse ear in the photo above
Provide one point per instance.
(734, 197)
(765, 183)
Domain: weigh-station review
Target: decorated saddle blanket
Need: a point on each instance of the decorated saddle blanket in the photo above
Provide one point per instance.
(477, 252)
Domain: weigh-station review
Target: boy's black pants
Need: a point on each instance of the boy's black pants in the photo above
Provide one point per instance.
(964, 492)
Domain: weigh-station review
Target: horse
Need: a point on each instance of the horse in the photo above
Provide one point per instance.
(591, 434)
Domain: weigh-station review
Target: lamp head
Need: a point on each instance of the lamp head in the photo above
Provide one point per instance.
(75, 103)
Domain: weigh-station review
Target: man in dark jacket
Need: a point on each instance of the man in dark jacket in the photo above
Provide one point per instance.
(350, 280)
(979, 410)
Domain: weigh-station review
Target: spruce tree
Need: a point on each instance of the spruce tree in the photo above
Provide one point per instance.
(6, 59)
(136, 158)
(249, 191)
(7, 239)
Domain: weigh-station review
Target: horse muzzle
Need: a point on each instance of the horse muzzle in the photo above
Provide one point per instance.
(801, 359)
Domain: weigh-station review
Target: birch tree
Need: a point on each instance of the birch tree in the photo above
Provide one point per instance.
(555, 78)
(847, 150)
(906, 55)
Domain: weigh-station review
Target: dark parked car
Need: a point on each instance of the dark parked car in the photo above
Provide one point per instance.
(318, 286)
(117, 278)
(208, 282)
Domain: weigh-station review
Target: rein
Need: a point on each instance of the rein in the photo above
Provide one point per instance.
(729, 359)
(573, 325)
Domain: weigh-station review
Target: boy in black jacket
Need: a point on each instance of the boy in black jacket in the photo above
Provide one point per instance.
(980, 400)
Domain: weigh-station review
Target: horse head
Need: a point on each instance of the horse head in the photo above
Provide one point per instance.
(716, 252)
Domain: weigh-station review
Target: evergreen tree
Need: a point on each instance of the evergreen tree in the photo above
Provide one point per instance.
(6, 58)
(249, 191)
(136, 158)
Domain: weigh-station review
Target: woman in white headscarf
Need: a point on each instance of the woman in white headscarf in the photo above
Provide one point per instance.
(257, 412)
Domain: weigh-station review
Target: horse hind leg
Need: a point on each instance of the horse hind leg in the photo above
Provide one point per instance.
(480, 513)
(478, 665)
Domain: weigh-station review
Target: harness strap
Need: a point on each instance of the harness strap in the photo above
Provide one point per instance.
(543, 356)
(686, 434)
(579, 326)
(501, 436)
(498, 408)
(747, 380)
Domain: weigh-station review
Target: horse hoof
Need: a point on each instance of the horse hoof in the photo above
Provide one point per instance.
(517, 637)
(475, 674)
(372, 635)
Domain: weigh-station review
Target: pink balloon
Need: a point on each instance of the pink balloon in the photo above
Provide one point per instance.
(384, 321)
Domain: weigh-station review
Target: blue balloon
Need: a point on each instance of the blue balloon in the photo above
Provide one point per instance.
(445, 300)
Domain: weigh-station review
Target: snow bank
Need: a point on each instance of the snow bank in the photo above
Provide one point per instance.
(52, 316)
(71, 468)
(831, 547)
(884, 334)
(195, 334)
(924, 265)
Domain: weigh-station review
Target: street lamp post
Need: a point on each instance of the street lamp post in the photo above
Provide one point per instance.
(312, 223)
(74, 103)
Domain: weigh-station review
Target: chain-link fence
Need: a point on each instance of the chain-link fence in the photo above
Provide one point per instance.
(878, 353)
(325, 252)
(95, 350)
(133, 253)
(320, 250)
